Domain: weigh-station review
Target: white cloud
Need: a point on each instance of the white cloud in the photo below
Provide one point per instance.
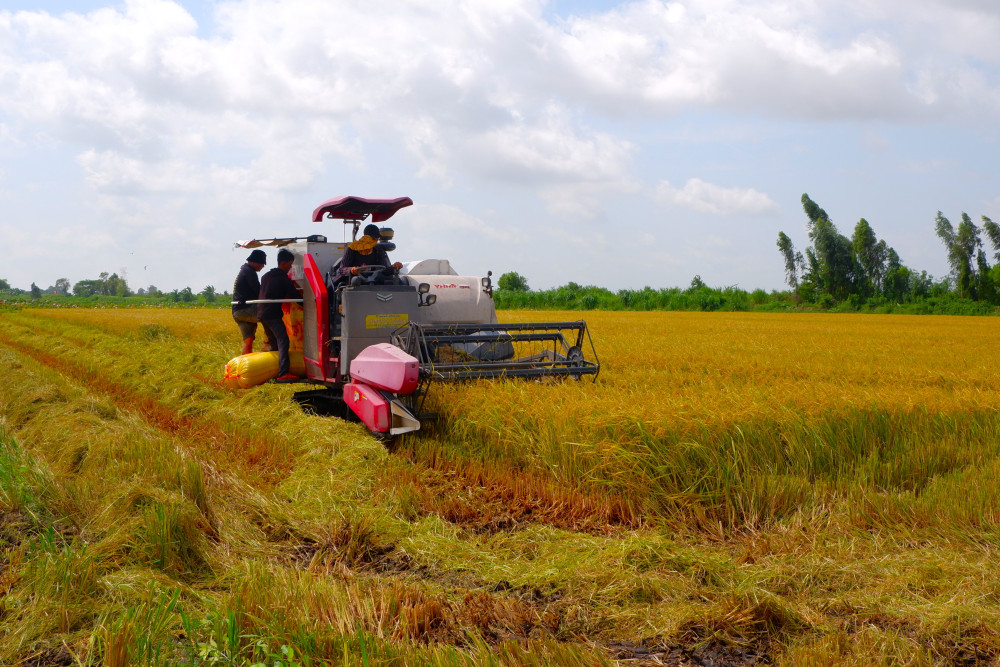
(571, 167)
(813, 60)
(422, 138)
(553, 147)
(654, 56)
(435, 222)
(470, 243)
(482, 89)
(709, 198)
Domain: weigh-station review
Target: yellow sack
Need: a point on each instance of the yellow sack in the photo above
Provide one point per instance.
(250, 370)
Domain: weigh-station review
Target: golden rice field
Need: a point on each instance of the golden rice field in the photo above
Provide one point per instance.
(734, 489)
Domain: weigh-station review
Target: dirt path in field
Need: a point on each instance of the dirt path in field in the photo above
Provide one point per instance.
(485, 500)
(499, 611)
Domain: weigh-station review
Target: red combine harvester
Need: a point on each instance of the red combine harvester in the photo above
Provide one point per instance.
(377, 340)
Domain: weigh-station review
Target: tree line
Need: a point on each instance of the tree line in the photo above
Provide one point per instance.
(833, 273)
(111, 285)
(863, 269)
(513, 293)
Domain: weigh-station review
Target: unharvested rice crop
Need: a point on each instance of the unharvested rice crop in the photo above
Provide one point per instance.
(734, 489)
(747, 416)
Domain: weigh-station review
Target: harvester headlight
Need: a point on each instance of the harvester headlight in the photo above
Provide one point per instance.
(423, 288)
(430, 299)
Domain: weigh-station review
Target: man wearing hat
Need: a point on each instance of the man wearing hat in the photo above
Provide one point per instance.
(365, 252)
(247, 286)
(277, 286)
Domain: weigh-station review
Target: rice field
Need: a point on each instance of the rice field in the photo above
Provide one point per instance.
(734, 489)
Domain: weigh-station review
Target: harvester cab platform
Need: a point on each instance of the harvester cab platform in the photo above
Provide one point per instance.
(376, 340)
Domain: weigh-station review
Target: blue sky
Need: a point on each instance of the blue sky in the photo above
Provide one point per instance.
(617, 144)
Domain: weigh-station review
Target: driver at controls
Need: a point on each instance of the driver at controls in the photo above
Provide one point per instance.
(365, 252)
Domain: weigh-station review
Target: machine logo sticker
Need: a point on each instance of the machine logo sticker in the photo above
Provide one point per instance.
(383, 296)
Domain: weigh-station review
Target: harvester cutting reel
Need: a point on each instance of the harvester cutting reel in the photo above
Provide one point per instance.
(542, 352)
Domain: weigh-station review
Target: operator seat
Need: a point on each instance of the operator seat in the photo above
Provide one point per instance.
(386, 277)
(331, 282)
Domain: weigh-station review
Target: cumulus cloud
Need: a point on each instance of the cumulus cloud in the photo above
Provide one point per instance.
(552, 147)
(443, 231)
(710, 198)
(138, 88)
(489, 90)
(808, 60)
(437, 221)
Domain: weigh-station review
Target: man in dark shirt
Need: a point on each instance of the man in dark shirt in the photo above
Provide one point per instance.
(277, 285)
(246, 288)
(365, 252)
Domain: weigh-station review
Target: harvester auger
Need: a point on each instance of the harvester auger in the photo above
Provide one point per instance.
(377, 340)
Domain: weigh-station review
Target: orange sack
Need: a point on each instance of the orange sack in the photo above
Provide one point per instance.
(292, 315)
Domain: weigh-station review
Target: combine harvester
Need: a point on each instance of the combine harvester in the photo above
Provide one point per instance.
(377, 341)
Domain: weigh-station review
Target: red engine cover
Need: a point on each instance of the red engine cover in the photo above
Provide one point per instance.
(387, 367)
(369, 406)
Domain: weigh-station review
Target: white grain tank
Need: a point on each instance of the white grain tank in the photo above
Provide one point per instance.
(460, 299)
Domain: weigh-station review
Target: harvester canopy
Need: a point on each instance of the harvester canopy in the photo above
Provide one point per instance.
(359, 208)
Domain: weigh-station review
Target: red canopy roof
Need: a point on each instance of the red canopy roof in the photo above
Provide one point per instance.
(359, 208)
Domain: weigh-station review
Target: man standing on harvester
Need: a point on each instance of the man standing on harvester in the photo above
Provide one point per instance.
(246, 288)
(277, 285)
